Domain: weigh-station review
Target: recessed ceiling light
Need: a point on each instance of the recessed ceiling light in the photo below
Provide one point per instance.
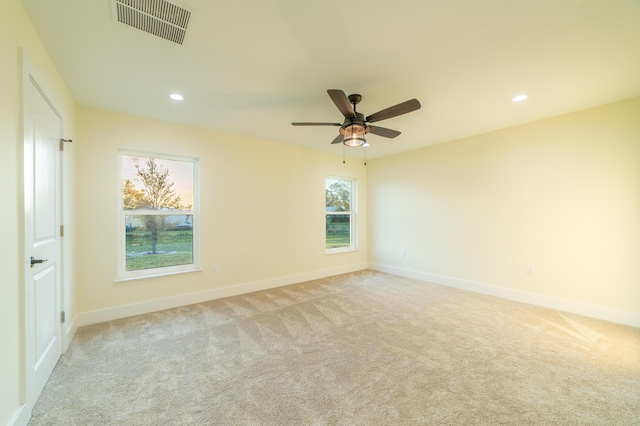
(176, 96)
(519, 98)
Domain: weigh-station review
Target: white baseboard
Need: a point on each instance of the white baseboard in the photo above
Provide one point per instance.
(565, 305)
(21, 417)
(117, 312)
(69, 331)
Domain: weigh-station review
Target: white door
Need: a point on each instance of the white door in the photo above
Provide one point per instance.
(42, 291)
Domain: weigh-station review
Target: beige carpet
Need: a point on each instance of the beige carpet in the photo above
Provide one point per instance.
(356, 349)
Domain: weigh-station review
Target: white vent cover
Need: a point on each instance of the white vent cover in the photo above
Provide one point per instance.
(158, 17)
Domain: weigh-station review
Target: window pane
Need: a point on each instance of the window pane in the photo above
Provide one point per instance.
(338, 230)
(338, 195)
(155, 183)
(158, 241)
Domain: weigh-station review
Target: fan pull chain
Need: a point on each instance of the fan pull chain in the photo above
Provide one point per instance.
(343, 161)
(365, 155)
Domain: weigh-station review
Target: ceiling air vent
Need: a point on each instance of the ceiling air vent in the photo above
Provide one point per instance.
(158, 17)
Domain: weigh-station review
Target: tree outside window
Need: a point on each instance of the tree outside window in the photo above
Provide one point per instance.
(158, 215)
(339, 214)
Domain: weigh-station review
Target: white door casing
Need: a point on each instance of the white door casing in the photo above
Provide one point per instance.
(42, 220)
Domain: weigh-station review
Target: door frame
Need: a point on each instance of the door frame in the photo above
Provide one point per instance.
(32, 77)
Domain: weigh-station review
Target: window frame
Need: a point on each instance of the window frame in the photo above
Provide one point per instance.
(122, 273)
(352, 213)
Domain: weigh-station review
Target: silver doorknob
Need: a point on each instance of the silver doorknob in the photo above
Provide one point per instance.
(34, 261)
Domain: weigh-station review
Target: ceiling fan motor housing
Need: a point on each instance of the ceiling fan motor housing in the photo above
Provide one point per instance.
(355, 124)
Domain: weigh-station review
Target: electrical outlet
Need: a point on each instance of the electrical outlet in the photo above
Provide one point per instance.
(529, 270)
(215, 269)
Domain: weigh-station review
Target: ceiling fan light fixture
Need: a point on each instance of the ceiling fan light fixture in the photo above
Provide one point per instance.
(354, 135)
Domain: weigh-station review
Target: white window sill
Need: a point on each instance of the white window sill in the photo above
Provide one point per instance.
(163, 274)
(340, 250)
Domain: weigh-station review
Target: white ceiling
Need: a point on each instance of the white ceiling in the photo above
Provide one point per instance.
(252, 67)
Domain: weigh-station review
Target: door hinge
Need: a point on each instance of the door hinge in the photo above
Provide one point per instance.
(62, 230)
(63, 317)
(62, 141)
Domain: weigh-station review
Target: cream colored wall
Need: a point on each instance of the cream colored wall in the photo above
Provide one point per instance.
(16, 32)
(262, 208)
(562, 195)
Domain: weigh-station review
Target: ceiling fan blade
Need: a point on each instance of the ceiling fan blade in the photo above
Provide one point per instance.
(394, 111)
(338, 139)
(383, 131)
(342, 102)
(316, 124)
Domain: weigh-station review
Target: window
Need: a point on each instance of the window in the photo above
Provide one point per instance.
(340, 216)
(158, 215)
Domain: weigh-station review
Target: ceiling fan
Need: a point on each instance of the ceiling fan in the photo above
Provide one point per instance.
(355, 125)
